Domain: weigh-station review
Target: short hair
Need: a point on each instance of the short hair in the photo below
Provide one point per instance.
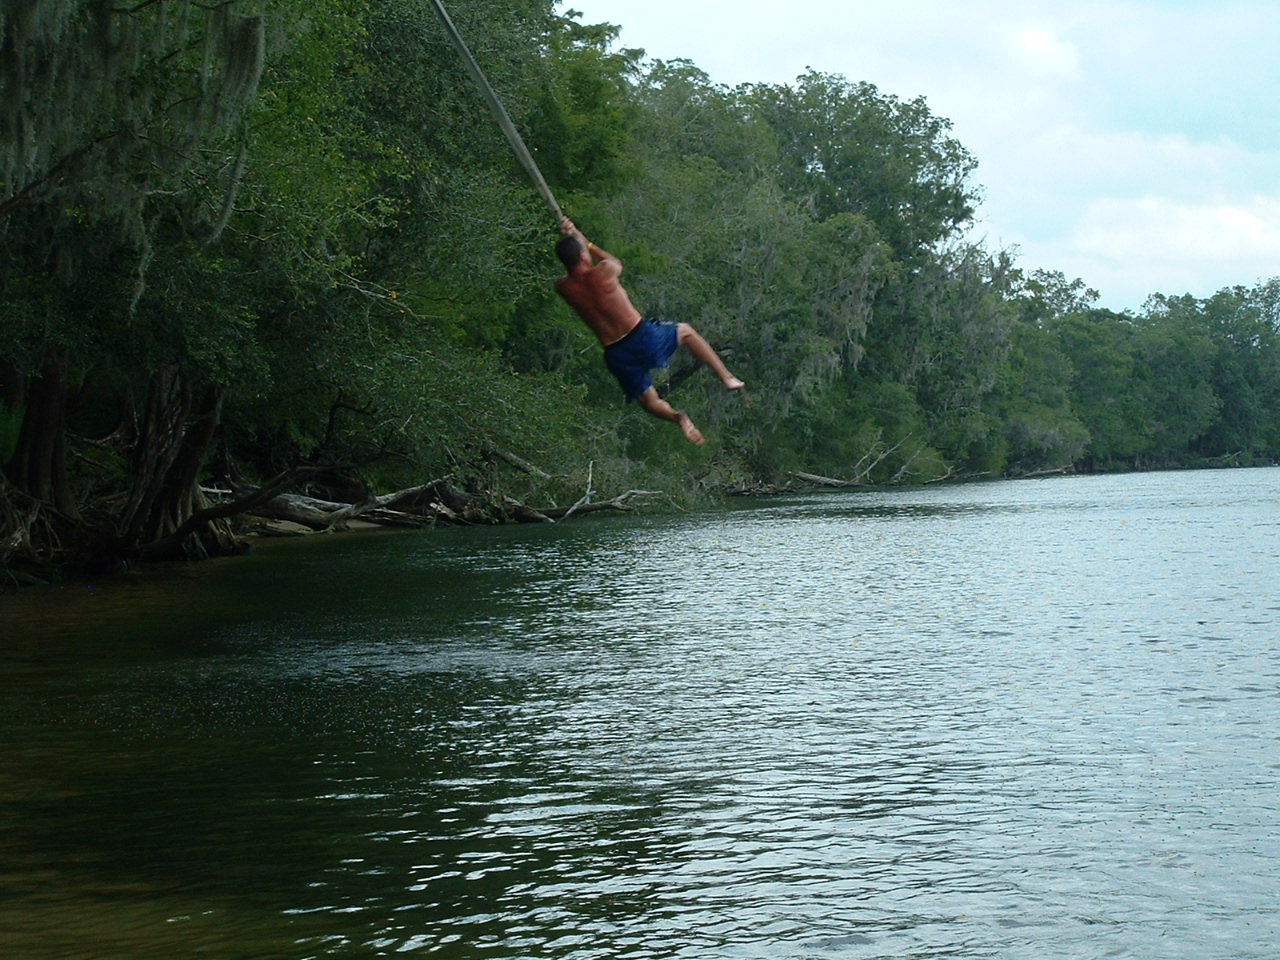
(569, 250)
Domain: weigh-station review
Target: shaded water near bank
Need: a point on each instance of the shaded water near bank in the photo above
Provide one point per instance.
(1028, 719)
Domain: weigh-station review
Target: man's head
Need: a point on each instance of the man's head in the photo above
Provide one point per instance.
(569, 250)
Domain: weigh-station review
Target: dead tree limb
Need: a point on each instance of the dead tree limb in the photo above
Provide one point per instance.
(506, 456)
(862, 469)
(1049, 471)
(904, 471)
(820, 481)
(231, 508)
(327, 514)
(525, 513)
(622, 502)
(586, 497)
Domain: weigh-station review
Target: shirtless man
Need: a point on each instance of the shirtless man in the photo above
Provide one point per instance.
(632, 344)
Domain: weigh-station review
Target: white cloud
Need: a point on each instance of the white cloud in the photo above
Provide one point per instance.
(1038, 50)
(1132, 247)
(1170, 232)
(1060, 167)
(1128, 142)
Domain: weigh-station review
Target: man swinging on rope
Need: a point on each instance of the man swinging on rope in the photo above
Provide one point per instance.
(633, 345)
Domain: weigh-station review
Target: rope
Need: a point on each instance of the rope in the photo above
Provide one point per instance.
(499, 113)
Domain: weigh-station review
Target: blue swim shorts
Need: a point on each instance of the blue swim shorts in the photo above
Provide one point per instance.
(650, 344)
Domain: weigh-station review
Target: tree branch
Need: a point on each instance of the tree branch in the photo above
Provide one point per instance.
(518, 462)
(586, 497)
(264, 493)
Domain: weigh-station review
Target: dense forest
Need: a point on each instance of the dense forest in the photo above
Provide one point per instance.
(254, 248)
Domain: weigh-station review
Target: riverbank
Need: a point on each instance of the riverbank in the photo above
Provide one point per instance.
(90, 554)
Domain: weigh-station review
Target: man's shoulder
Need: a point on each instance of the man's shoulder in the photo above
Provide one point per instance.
(569, 284)
(576, 291)
(608, 268)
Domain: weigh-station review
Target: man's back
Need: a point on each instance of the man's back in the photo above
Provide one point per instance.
(598, 297)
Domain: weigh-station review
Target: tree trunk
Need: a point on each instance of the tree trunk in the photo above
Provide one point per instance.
(173, 444)
(38, 466)
(155, 449)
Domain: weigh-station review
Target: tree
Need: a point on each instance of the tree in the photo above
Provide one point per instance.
(1173, 384)
(1102, 348)
(1035, 393)
(266, 211)
(847, 147)
(1215, 362)
(123, 130)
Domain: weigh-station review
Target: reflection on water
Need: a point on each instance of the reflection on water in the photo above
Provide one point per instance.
(1000, 720)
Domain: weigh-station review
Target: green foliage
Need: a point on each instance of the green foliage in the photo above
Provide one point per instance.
(304, 215)
(1214, 364)
(1102, 348)
(581, 110)
(1042, 437)
(1034, 396)
(846, 146)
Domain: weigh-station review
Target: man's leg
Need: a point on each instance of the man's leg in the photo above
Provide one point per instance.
(655, 405)
(696, 344)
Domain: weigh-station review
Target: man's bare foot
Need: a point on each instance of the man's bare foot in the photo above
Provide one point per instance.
(733, 383)
(693, 434)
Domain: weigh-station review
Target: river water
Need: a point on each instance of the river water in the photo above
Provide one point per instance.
(1033, 719)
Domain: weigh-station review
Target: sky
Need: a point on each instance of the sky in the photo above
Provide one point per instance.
(1133, 144)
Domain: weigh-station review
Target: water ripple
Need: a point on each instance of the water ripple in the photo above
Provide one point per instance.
(1000, 720)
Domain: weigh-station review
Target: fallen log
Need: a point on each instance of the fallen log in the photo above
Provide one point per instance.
(426, 505)
(586, 497)
(294, 507)
(506, 456)
(1049, 471)
(523, 513)
(958, 477)
(622, 503)
(820, 481)
(862, 470)
(329, 514)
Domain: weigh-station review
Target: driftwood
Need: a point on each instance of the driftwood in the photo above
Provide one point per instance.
(1048, 472)
(414, 506)
(1227, 458)
(523, 513)
(622, 502)
(586, 497)
(584, 504)
(307, 511)
(526, 514)
(904, 471)
(959, 477)
(819, 481)
(519, 463)
(425, 505)
(862, 469)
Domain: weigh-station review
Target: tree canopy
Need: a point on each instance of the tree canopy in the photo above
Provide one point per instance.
(253, 237)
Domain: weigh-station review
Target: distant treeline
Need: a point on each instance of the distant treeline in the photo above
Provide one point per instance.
(268, 244)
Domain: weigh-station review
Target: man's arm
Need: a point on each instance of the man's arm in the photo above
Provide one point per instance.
(600, 255)
(596, 254)
(602, 258)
